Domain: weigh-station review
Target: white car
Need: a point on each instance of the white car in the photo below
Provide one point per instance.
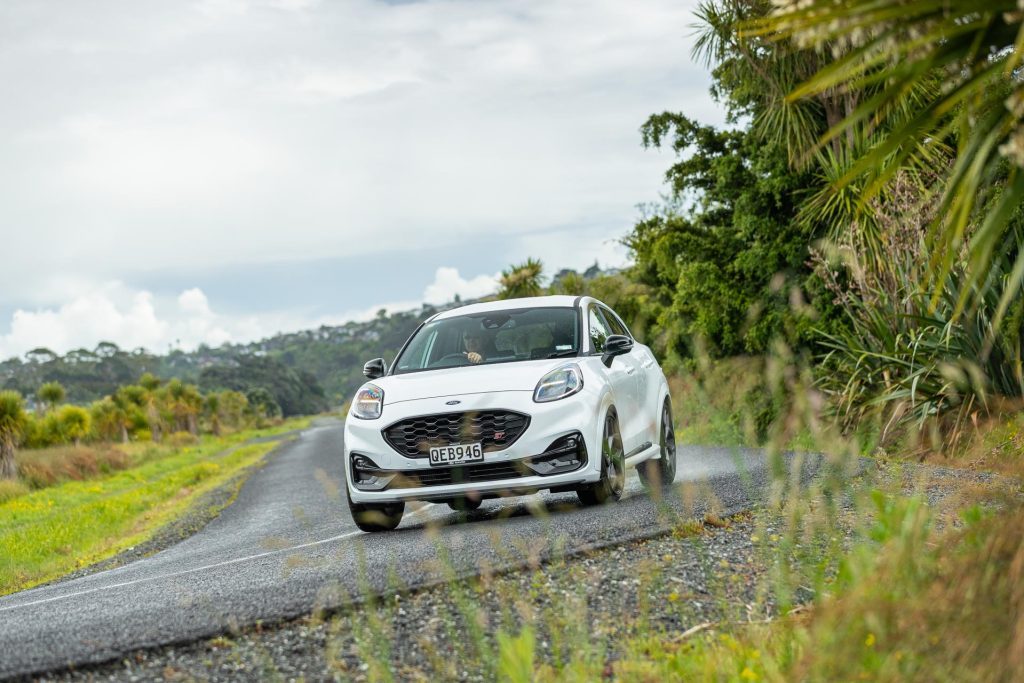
(508, 398)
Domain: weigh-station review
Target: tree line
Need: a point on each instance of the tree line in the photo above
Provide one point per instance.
(148, 410)
(88, 376)
(305, 370)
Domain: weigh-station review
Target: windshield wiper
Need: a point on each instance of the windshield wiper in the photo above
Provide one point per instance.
(562, 354)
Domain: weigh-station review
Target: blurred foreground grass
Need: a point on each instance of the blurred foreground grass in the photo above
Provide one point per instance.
(877, 569)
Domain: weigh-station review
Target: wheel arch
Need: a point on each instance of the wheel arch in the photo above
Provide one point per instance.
(664, 396)
(604, 406)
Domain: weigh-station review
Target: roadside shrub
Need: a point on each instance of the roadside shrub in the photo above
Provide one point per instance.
(49, 466)
(108, 419)
(32, 436)
(37, 474)
(724, 402)
(761, 408)
(67, 424)
(726, 257)
(10, 489)
(75, 423)
(911, 359)
(179, 439)
(203, 471)
(43, 431)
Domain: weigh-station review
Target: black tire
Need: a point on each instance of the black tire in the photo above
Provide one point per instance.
(656, 474)
(613, 467)
(464, 504)
(370, 517)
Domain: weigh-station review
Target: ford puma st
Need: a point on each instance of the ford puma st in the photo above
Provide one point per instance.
(508, 398)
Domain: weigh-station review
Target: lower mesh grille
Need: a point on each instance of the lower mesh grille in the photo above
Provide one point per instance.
(443, 476)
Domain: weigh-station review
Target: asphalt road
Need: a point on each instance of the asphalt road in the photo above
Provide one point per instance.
(288, 546)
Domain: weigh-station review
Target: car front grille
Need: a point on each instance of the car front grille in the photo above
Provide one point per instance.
(444, 476)
(494, 429)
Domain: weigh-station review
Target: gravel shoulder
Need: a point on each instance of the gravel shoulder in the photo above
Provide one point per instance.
(702, 573)
(320, 648)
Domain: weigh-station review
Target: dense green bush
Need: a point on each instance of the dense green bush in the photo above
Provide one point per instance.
(727, 260)
(290, 392)
(908, 356)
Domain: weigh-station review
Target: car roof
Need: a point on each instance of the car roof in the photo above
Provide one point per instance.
(553, 301)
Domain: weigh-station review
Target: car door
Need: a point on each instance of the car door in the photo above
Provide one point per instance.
(622, 376)
(643, 359)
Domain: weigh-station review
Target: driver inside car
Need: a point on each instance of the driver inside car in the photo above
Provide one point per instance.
(474, 340)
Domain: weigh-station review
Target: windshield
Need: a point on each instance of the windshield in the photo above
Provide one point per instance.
(492, 337)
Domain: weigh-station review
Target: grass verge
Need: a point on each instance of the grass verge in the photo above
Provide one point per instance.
(55, 530)
(40, 468)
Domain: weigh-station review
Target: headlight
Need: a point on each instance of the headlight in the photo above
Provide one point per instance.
(369, 402)
(559, 383)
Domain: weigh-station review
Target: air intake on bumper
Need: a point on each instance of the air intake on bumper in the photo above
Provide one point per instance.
(494, 429)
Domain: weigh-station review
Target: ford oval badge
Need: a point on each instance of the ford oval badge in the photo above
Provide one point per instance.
(453, 403)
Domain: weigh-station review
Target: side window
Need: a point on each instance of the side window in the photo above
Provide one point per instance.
(598, 329)
(615, 325)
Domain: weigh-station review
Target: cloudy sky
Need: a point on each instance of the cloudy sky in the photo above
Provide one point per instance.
(181, 172)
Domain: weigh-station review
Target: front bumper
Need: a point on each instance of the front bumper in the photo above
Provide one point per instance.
(515, 470)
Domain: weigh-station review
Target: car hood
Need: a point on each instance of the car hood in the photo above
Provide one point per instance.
(472, 379)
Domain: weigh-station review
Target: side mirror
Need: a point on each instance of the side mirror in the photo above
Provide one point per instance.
(375, 368)
(615, 345)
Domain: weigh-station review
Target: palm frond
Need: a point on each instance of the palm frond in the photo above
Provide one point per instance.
(892, 49)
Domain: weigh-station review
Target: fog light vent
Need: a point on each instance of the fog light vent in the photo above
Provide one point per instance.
(565, 454)
(367, 476)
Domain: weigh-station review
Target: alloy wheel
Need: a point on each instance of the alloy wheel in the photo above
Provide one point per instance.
(614, 461)
(668, 445)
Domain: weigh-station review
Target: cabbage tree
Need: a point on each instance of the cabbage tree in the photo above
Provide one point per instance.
(13, 421)
(522, 280)
(51, 394)
(75, 423)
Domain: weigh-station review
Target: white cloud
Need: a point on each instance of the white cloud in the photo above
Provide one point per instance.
(200, 324)
(220, 9)
(184, 136)
(130, 319)
(363, 314)
(448, 283)
(109, 313)
(314, 83)
(133, 318)
(158, 167)
(193, 301)
(577, 249)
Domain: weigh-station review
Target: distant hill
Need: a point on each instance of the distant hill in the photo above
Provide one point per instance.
(327, 361)
(325, 364)
(333, 355)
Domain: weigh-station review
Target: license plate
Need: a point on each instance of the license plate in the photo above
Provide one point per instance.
(456, 455)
